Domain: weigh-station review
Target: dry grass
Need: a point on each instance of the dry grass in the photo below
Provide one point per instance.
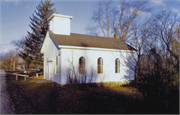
(35, 78)
(41, 98)
(125, 90)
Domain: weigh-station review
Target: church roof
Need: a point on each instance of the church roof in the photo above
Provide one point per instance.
(90, 41)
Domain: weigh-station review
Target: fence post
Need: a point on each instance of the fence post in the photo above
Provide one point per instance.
(16, 77)
(25, 77)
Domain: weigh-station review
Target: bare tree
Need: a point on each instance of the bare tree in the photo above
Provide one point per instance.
(160, 34)
(165, 27)
(110, 17)
(75, 77)
(157, 59)
(9, 60)
(140, 39)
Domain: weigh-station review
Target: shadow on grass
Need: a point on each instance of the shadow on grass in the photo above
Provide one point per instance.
(158, 100)
(51, 98)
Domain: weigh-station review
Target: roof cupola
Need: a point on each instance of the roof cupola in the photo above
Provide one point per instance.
(60, 24)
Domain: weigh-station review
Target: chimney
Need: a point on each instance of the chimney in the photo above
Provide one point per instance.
(60, 24)
(115, 35)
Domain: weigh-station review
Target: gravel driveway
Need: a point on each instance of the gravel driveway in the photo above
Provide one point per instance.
(5, 106)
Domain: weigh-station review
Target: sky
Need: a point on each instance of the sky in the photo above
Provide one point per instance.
(14, 16)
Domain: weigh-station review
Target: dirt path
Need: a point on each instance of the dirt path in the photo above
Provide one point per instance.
(5, 104)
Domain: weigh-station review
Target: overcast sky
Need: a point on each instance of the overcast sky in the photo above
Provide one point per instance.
(14, 16)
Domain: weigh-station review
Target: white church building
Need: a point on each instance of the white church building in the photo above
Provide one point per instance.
(64, 52)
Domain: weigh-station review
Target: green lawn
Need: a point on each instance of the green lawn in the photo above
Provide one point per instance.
(41, 98)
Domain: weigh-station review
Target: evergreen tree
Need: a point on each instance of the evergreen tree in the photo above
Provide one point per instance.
(40, 25)
(26, 45)
(31, 45)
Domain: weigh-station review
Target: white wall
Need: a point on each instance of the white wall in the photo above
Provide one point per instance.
(49, 67)
(70, 53)
(60, 25)
(91, 57)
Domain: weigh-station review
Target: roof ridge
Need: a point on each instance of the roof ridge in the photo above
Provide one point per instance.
(101, 37)
(91, 36)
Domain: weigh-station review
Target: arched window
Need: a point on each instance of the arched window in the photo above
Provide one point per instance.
(100, 65)
(117, 65)
(82, 65)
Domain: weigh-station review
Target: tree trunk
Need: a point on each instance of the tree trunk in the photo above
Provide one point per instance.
(13, 64)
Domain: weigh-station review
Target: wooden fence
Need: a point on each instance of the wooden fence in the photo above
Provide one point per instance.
(25, 76)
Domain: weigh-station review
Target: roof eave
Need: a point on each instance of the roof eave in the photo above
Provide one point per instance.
(58, 15)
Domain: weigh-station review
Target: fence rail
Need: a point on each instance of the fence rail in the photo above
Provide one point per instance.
(25, 76)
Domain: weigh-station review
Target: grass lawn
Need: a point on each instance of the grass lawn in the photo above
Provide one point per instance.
(40, 98)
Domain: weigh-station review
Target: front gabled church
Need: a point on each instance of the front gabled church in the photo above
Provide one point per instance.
(84, 53)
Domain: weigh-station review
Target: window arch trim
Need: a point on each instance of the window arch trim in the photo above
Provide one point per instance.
(81, 65)
(100, 65)
(117, 65)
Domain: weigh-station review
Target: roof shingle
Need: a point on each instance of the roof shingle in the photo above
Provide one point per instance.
(89, 41)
